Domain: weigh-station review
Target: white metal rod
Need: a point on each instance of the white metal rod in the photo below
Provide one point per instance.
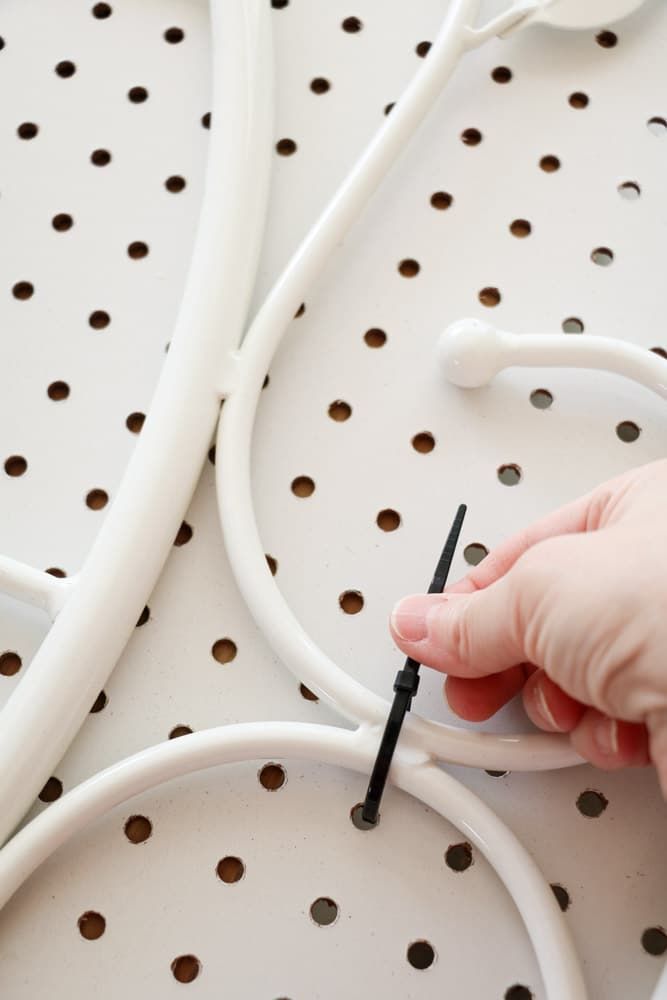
(33, 586)
(538, 908)
(47, 708)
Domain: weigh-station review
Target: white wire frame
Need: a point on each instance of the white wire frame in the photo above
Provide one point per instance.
(94, 613)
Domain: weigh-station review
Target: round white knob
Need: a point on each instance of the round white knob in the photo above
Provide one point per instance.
(472, 352)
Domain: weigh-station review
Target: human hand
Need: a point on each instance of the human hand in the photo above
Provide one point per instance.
(571, 612)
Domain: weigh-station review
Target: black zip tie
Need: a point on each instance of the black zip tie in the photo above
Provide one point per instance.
(405, 687)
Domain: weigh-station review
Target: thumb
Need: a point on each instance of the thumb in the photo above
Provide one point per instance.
(468, 635)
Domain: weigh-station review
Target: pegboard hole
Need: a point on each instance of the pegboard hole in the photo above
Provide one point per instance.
(307, 694)
(271, 563)
(471, 137)
(272, 777)
(351, 602)
(100, 157)
(58, 391)
(602, 256)
(627, 431)
(179, 731)
(27, 130)
(591, 803)
(224, 650)
(421, 955)
(358, 821)
(99, 319)
(55, 571)
(23, 290)
(352, 25)
(62, 222)
(606, 39)
(52, 790)
(211, 454)
(137, 250)
(175, 183)
(101, 11)
(629, 190)
(541, 399)
(497, 774)
(324, 911)
(206, 120)
(185, 968)
(303, 486)
(97, 499)
(65, 69)
(458, 857)
(509, 475)
(441, 200)
(578, 100)
(518, 992)
(424, 442)
(16, 465)
(300, 311)
(10, 663)
(375, 337)
(388, 519)
(660, 351)
(138, 829)
(135, 421)
(184, 534)
(501, 74)
(143, 617)
(99, 704)
(562, 896)
(654, 940)
(474, 553)
(137, 95)
(409, 267)
(572, 325)
(279, 4)
(340, 410)
(285, 147)
(550, 164)
(91, 925)
(174, 35)
(230, 869)
(657, 126)
(489, 297)
(422, 49)
(320, 85)
(521, 228)
(388, 107)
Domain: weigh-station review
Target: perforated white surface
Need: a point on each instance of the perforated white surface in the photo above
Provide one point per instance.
(161, 898)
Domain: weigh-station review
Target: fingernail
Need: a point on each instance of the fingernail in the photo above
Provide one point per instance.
(605, 735)
(408, 619)
(543, 707)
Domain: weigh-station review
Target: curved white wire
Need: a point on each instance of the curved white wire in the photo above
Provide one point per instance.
(73, 663)
(234, 443)
(330, 745)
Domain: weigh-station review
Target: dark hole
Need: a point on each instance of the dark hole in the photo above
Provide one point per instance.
(97, 499)
(16, 465)
(174, 35)
(300, 311)
(352, 25)
(224, 650)
(99, 703)
(422, 49)
(143, 617)
(509, 475)
(179, 731)
(303, 486)
(458, 857)
(441, 200)
(65, 69)
(138, 829)
(423, 442)
(375, 337)
(184, 534)
(388, 519)
(351, 602)
(23, 290)
(518, 992)
(230, 869)
(606, 39)
(137, 95)
(627, 431)
(101, 11)
(550, 164)
(271, 563)
(409, 268)
(602, 256)
(279, 4)
(420, 955)
(591, 803)
(497, 774)
(358, 819)
(541, 399)
(58, 391)
(521, 228)
(175, 183)
(55, 571)
(62, 222)
(489, 297)
(135, 421)
(185, 968)
(306, 693)
(654, 940)
(91, 925)
(572, 325)
(206, 120)
(340, 411)
(578, 99)
(388, 107)
(211, 454)
(473, 555)
(27, 130)
(658, 126)
(319, 85)
(52, 790)
(100, 157)
(324, 911)
(471, 137)
(660, 351)
(10, 664)
(629, 190)
(501, 74)
(137, 250)
(286, 147)
(562, 895)
(272, 777)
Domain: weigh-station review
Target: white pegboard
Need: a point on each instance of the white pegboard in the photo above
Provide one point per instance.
(161, 898)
